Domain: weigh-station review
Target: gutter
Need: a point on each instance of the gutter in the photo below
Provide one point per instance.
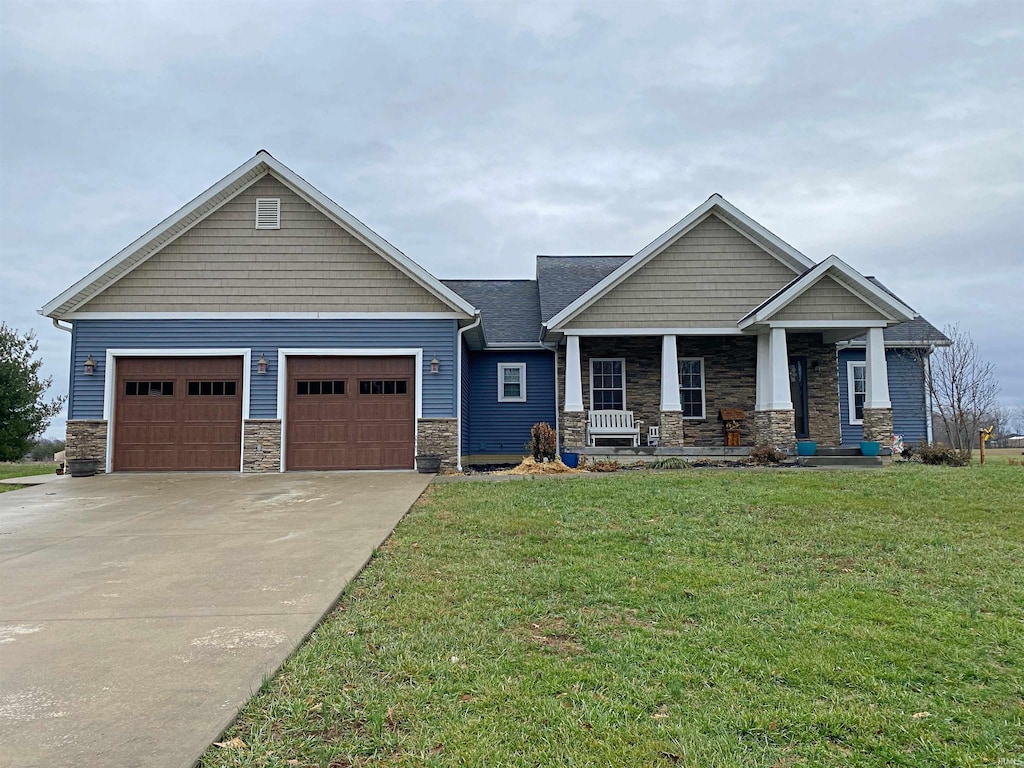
(56, 324)
(458, 390)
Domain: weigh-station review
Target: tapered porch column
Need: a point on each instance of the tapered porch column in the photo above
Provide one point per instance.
(573, 424)
(773, 408)
(877, 406)
(573, 375)
(671, 416)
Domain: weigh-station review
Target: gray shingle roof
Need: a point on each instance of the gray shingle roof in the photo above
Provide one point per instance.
(510, 308)
(563, 279)
(914, 332)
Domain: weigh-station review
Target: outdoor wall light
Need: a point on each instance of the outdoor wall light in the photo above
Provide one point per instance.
(89, 366)
(435, 365)
(261, 365)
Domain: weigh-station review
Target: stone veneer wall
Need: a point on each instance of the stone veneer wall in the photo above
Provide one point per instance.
(574, 428)
(730, 373)
(261, 445)
(439, 436)
(878, 425)
(87, 439)
(673, 430)
(822, 386)
(775, 428)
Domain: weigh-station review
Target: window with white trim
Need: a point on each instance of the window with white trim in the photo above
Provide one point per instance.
(857, 389)
(511, 382)
(268, 213)
(691, 387)
(607, 384)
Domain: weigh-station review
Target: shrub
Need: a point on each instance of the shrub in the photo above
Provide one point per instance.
(543, 442)
(669, 462)
(766, 454)
(941, 455)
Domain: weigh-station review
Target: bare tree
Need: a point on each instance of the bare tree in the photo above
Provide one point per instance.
(962, 388)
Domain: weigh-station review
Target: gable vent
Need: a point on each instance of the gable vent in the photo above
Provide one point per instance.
(268, 213)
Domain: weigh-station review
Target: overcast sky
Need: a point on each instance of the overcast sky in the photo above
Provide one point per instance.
(474, 136)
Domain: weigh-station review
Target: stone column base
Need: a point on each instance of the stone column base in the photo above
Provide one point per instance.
(439, 437)
(878, 425)
(574, 430)
(261, 445)
(670, 433)
(775, 428)
(87, 439)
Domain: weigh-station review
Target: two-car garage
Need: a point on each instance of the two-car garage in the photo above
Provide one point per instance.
(341, 412)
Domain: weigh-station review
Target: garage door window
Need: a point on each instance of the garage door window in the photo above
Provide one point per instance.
(320, 387)
(133, 388)
(212, 388)
(383, 387)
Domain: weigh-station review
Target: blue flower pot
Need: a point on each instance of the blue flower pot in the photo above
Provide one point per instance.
(571, 460)
(806, 448)
(870, 447)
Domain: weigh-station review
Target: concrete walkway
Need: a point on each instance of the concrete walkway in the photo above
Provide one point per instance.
(139, 612)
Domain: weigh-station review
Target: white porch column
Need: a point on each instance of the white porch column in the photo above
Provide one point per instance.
(779, 398)
(763, 373)
(573, 375)
(669, 375)
(876, 394)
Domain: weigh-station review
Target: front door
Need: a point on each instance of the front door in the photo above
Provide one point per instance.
(798, 393)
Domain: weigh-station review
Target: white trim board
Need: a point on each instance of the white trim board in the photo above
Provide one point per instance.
(247, 174)
(715, 204)
(284, 353)
(851, 417)
(726, 331)
(263, 316)
(110, 379)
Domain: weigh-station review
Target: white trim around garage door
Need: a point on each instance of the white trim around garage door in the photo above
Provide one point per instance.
(282, 379)
(110, 379)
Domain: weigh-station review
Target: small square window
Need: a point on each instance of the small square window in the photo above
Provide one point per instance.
(511, 382)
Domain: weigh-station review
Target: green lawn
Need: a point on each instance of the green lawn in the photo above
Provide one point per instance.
(694, 618)
(24, 470)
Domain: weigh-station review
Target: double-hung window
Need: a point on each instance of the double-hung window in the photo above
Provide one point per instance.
(511, 382)
(607, 384)
(691, 387)
(857, 384)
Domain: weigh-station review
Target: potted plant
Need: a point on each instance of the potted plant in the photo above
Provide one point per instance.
(870, 447)
(428, 463)
(806, 447)
(83, 467)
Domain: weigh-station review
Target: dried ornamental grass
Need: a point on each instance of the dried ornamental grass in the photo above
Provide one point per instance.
(530, 466)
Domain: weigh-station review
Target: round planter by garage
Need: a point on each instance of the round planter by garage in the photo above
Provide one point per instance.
(428, 464)
(806, 448)
(83, 467)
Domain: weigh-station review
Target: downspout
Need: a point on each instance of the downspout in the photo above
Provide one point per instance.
(458, 399)
(558, 436)
(56, 324)
(928, 393)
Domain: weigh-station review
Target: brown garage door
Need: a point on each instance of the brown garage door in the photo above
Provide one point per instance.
(178, 413)
(351, 413)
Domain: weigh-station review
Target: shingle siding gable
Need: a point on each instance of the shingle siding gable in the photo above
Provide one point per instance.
(224, 264)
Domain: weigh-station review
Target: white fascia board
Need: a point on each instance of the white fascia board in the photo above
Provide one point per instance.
(815, 325)
(368, 236)
(894, 310)
(514, 346)
(715, 203)
(724, 331)
(263, 316)
(125, 253)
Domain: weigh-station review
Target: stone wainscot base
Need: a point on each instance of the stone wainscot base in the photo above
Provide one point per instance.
(439, 437)
(775, 428)
(87, 439)
(878, 425)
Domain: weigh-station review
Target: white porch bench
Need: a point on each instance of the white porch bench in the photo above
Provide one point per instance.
(616, 424)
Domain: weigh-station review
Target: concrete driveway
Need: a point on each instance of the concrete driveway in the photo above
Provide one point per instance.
(139, 612)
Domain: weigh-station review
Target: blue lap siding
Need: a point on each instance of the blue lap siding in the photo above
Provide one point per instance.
(493, 427)
(95, 337)
(906, 391)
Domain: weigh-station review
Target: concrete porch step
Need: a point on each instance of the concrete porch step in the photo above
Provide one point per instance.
(838, 450)
(842, 460)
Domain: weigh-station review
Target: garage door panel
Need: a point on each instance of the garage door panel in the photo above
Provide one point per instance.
(176, 430)
(353, 427)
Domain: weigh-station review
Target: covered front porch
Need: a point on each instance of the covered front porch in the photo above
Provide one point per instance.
(769, 385)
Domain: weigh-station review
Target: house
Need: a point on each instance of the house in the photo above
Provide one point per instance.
(264, 328)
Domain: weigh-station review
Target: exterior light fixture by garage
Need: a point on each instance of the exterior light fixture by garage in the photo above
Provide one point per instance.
(89, 366)
(435, 365)
(261, 365)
